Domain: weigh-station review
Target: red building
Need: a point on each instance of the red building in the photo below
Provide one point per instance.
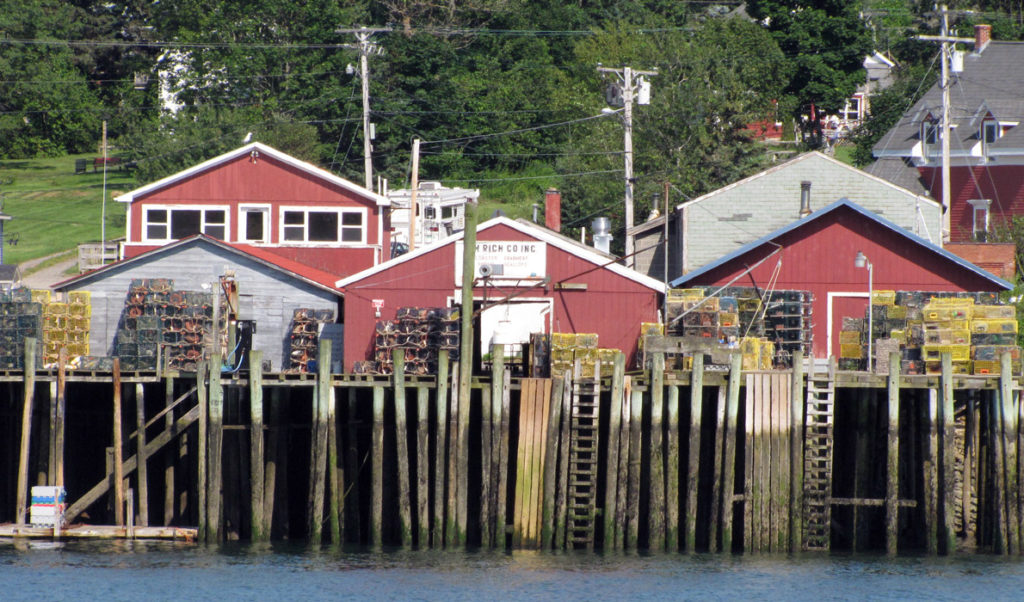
(537, 281)
(260, 197)
(817, 254)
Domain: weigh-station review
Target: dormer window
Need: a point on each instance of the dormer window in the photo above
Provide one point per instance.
(990, 131)
(929, 135)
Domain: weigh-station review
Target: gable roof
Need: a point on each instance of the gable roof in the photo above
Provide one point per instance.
(554, 239)
(9, 272)
(309, 168)
(809, 157)
(829, 209)
(318, 278)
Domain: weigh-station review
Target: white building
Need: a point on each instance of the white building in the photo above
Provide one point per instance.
(442, 212)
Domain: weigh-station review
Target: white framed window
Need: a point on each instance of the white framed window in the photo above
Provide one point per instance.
(301, 225)
(980, 210)
(164, 223)
(254, 223)
(929, 132)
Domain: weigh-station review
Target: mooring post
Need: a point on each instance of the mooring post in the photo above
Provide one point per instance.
(119, 517)
(796, 452)
(58, 433)
(215, 457)
(892, 457)
(467, 362)
(29, 380)
(402, 449)
(141, 469)
(551, 456)
(729, 467)
(931, 477)
(201, 447)
(1009, 438)
(422, 467)
(948, 457)
(377, 470)
(256, 445)
(499, 445)
(440, 448)
(488, 444)
(656, 458)
(693, 453)
(636, 410)
(611, 478)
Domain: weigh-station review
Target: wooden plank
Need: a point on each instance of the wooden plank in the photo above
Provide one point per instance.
(526, 409)
(551, 453)
(998, 474)
(636, 409)
(892, 458)
(729, 483)
(465, 401)
(539, 461)
(672, 472)
(612, 454)
(503, 453)
(623, 479)
(140, 442)
(748, 479)
(335, 470)
(763, 462)
(796, 452)
(778, 485)
(440, 448)
(202, 443)
(486, 450)
(693, 451)
(451, 531)
(716, 484)
(402, 450)
(656, 458)
(26, 429)
(422, 467)
(119, 517)
(215, 457)
(1009, 436)
(256, 445)
(931, 476)
(377, 470)
(562, 487)
(948, 457)
(496, 505)
(781, 387)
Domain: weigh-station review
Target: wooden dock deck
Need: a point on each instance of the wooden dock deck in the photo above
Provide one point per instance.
(99, 532)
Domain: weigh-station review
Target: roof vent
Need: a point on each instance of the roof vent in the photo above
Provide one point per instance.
(805, 198)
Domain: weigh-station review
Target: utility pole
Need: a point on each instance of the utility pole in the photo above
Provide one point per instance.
(365, 48)
(945, 40)
(412, 192)
(628, 79)
(103, 206)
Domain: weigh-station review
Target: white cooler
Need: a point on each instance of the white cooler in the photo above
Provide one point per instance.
(48, 507)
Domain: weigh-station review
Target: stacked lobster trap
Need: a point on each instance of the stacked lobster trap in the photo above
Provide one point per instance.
(304, 338)
(20, 318)
(420, 332)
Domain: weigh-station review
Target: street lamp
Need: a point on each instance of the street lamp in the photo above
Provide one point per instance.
(861, 261)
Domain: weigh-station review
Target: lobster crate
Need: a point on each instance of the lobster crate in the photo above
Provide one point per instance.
(993, 353)
(851, 351)
(1002, 326)
(960, 353)
(994, 338)
(987, 312)
(947, 336)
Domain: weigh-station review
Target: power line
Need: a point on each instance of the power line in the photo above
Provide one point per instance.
(518, 131)
(557, 175)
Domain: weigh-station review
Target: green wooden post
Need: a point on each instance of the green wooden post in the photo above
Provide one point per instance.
(402, 451)
(256, 444)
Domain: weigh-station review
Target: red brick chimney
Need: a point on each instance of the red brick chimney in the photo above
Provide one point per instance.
(982, 36)
(553, 209)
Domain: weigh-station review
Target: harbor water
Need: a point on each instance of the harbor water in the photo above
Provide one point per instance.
(111, 570)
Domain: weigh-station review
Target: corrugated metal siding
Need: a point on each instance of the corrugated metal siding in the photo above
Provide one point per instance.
(274, 295)
(612, 306)
(819, 258)
(737, 216)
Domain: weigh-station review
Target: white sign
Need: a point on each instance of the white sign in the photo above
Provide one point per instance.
(504, 260)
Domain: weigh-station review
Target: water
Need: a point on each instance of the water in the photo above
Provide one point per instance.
(140, 571)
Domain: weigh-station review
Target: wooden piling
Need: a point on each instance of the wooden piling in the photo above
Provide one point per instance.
(318, 443)
(716, 483)
(26, 429)
(672, 472)
(451, 537)
(119, 517)
(422, 467)
(562, 487)
(172, 455)
(796, 452)
(201, 447)
(621, 497)
(440, 448)
(504, 418)
(487, 448)
(611, 478)
(275, 434)
(551, 463)
(377, 471)
(636, 409)
(656, 458)
(729, 466)
(948, 457)
(215, 458)
(141, 470)
(256, 446)
(1009, 437)
(931, 476)
(402, 450)
(58, 428)
(465, 400)
(892, 457)
(693, 452)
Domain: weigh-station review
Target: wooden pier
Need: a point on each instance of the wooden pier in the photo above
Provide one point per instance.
(710, 459)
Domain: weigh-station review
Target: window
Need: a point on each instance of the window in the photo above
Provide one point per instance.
(163, 224)
(254, 224)
(980, 212)
(322, 226)
(448, 212)
(929, 132)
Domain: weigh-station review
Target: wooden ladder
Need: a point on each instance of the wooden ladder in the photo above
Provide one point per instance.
(819, 412)
(583, 458)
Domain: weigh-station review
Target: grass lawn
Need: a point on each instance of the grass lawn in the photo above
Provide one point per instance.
(52, 209)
